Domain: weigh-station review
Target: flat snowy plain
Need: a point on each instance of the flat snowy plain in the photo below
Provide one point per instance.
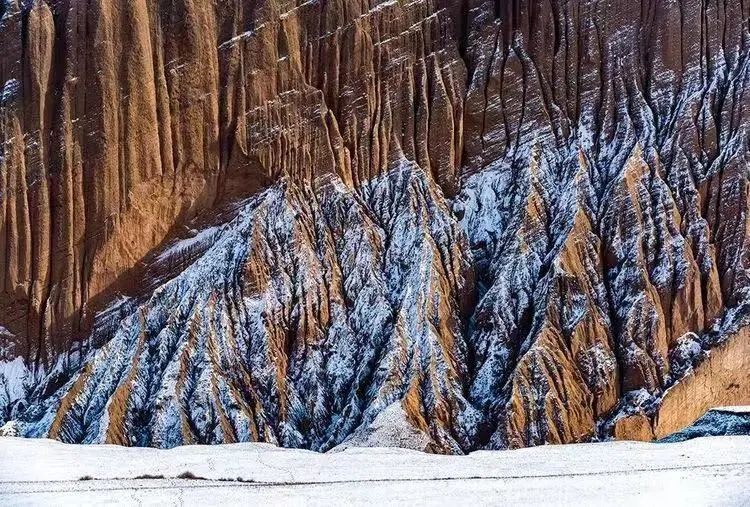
(704, 471)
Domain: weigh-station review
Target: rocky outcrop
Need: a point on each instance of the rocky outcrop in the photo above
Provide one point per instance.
(495, 223)
(310, 313)
(720, 421)
(720, 380)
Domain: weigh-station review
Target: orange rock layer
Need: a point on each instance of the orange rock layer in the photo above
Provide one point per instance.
(571, 177)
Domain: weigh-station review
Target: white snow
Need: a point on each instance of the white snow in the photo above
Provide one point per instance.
(391, 428)
(13, 376)
(10, 91)
(181, 247)
(703, 471)
(738, 409)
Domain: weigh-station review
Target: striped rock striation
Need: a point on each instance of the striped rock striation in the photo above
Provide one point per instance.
(441, 224)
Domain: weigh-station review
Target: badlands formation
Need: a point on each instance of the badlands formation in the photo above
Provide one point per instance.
(448, 225)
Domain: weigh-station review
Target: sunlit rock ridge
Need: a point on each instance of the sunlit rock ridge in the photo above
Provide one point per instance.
(440, 224)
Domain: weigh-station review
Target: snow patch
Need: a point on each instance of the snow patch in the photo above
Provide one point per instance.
(182, 247)
(10, 91)
(14, 375)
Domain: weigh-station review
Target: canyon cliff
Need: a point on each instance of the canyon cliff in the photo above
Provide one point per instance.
(443, 224)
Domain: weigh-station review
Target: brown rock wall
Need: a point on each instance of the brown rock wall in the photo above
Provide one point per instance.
(720, 381)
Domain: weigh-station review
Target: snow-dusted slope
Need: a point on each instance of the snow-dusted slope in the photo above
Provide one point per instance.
(307, 315)
(319, 315)
(461, 224)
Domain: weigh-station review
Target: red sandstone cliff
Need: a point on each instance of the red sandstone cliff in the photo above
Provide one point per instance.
(537, 208)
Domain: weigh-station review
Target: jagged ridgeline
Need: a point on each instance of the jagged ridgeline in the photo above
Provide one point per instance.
(439, 224)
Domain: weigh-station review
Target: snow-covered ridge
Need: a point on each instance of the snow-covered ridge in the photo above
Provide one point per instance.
(308, 315)
(321, 316)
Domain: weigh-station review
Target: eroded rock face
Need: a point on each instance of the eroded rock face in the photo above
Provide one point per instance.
(494, 223)
(120, 122)
(304, 319)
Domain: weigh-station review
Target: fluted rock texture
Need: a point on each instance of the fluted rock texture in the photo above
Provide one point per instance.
(445, 224)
